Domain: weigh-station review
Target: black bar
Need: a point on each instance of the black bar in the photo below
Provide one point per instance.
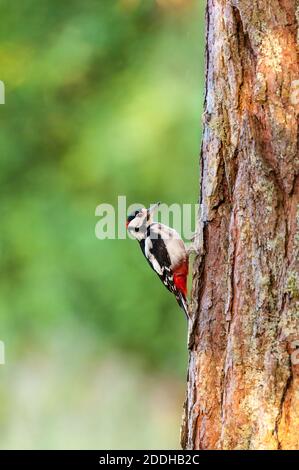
(135, 459)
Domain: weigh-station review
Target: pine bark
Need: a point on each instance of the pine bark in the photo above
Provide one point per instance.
(243, 378)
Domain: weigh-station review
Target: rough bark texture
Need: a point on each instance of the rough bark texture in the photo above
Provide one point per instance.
(243, 369)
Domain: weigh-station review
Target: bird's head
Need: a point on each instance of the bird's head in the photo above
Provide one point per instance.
(138, 221)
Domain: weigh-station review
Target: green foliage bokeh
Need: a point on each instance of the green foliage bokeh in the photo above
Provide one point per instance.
(103, 98)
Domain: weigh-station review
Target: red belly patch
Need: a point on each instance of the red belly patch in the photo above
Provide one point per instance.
(180, 278)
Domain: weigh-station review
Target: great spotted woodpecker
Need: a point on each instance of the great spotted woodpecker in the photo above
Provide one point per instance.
(164, 250)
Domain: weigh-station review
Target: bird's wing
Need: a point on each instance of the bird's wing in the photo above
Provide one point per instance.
(161, 262)
(174, 244)
(174, 279)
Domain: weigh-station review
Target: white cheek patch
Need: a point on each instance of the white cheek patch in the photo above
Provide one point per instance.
(137, 227)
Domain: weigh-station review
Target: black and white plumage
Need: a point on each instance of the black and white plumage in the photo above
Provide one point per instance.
(164, 250)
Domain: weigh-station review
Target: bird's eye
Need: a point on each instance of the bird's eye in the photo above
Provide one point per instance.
(137, 229)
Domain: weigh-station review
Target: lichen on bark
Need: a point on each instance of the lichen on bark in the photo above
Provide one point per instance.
(242, 383)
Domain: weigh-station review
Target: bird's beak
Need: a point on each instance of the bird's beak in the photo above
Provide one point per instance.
(153, 209)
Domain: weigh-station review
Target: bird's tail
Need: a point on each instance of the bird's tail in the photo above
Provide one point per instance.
(183, 303)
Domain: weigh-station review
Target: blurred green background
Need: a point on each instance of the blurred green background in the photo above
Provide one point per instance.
(103, 98)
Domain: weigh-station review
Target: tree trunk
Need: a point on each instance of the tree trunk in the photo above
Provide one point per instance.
(243, 380)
